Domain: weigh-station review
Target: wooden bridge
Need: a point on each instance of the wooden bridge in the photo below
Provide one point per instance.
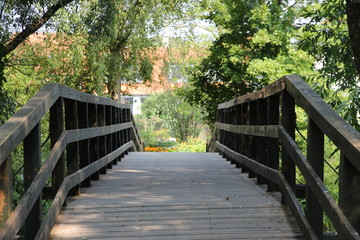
(253, 195)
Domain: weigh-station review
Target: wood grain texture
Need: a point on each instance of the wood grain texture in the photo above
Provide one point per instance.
(342, 134)
(175, 196)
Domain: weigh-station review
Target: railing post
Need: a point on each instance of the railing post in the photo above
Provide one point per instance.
(84, 154)
(253, 147)
(349, 191)
(101, 115)
(94, 142)
(5, 191)
(288, 121)
(114, 138)
(121, 132)
(273, 143)
(72, 150)
(315, 155)
(56, 128)
(32, 164)
(238, 137)
(245, 139)
(261, 154)
(108, 122)
(125, 131)
(226, 133)
(127, 117)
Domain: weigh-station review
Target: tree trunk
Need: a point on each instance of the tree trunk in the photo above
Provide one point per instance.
(353, 21)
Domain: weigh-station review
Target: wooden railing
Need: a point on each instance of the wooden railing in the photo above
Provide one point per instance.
(88, 134)
(254, 130)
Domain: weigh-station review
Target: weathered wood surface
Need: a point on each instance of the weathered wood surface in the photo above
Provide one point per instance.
(175, 196)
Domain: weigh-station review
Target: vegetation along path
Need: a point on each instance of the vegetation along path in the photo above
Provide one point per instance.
(175, 196)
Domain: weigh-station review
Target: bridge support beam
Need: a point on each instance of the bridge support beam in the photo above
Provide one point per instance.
(32, 164)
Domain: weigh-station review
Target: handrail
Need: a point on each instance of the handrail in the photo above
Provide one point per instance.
(104, 119)
(249, 129)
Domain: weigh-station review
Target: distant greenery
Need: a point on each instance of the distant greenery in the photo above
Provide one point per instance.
(191, 145)
(168, 111)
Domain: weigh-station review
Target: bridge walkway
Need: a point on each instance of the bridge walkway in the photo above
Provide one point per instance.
(172, 196)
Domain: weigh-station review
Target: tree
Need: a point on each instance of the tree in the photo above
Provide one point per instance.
(254, 47)
(326, 38)
(26, 17)
(179, 117)
(91, 45)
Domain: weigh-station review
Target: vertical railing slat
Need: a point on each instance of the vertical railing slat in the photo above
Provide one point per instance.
(288, 120)
(245, 138)
(349, 191)
(94, 142)
(238, 136)
(108, 121)
(72, 150)
(56, 128)
(252, 139)
(315, 155)
(273, 115)
(262, 147)
(32, 164)
(84, 155)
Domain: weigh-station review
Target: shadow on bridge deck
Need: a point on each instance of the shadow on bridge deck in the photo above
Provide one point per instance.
(175, 196)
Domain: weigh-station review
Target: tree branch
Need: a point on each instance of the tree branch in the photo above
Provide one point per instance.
(33, 27)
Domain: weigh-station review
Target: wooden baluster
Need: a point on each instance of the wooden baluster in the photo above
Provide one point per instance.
(273, 143)
(108, 122)
(232, 120)
(315, 155)
(130, 131)
(72, 150)
(121, 132)
(94, 142)
(262, 147)
(84, 154)
(125, 131)
(245, 138)
(349, 191)
(252, 139)
(32, 164)
(226, 133)
(114, 138)
(223, 132)
(5, 191)
(56, 128)
(238, 137)
(101, 114)
(288, 121)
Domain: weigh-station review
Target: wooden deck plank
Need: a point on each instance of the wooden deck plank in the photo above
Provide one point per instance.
(175, 196)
